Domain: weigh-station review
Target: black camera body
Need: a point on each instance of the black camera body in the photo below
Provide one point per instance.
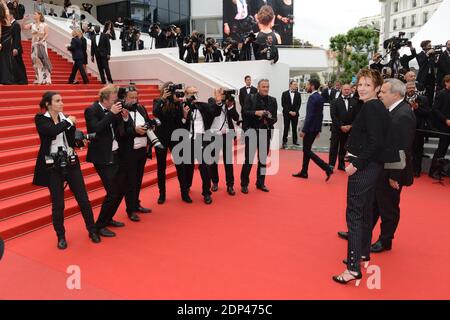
(61, 159)
(80, 137)
(396, 43)
(229, 94)
(174, 89)
(439, 49)
(412, 99)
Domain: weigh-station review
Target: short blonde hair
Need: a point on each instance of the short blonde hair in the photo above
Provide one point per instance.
(105, 92)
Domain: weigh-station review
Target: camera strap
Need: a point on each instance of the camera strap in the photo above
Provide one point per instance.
(226, 116)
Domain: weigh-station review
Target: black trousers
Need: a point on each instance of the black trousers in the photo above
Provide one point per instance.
(290, 121)
(308, 155)
(113, 177)
(419, 141)
(135, 174)
(76, 184)
(103, 67)
(161, 159)
(386, 206)
(256, 140)
(441, 151)
(227, 151)
(337, 147)
(359, 214)
(78, 66)
(203, 167)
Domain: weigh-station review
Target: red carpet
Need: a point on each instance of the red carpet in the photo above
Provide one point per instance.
(281, 245)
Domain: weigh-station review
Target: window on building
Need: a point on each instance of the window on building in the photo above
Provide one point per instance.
(414, 3)
(413, 20)
(395, 6)
(403, 22)
(210, 27)
(394, 24)
(425, 17)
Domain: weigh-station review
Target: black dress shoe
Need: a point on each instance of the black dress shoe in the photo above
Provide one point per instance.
(186, 198)
(95, 238)
(62, 244)
(134, 217)
(244, 190)
(343, 235)
(208, 199)
(284, 146)
(230, 191)
(296, 144)
(302, 175)
(262, 188)
(341, 280)
(161, 199)
(214, 187)
(144, 210)
(363, 259)
(378, 247)
(116, 224)
(105, 232)
(328, 172)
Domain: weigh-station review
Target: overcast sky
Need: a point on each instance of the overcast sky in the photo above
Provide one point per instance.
(318, 20)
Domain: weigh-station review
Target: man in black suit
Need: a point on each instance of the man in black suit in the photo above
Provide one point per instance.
(110, 122)
(410, 76)
(259, 115)
(291, 101)
(19, 70)
(398, 171)
(101, 51)
(247, 90)
(268, 51)
(76, 47)
(311, 130)
(197, 118)
(443, 67)
(137, 43)
(405, 59)
(422, 111)
(329, 93)
(427, 69)
(343, 111)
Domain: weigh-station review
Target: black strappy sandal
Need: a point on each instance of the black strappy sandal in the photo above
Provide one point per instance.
(340, 279)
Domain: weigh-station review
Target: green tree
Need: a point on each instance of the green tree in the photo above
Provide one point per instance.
(352, 50)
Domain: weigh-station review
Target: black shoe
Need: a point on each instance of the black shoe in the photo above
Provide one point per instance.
(105, 232)
(302, 175)
(161, 199)
(134, 217)
(186, 198)
(296, 144)
(363, 259)
(244, 190)
(144, 210)
(343, 235)
(116, 224)
(378, 247)
(329, 172)
(341, 280)
(207, 199)
(230, 191)
(62, 244)
(95, 238)
(262, 188)
(214, 187)
(284, 146)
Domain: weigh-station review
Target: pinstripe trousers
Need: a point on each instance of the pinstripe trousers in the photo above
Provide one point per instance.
(359, 215)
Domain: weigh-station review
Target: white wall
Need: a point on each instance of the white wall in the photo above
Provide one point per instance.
(206, 8)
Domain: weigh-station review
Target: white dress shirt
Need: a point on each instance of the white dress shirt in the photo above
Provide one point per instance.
(59, 140)
(395, 105)
(139, 142)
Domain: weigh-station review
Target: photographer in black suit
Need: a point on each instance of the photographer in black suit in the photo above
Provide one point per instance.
(109, 121)
(343, 111)
(398, 171)
(169, 110)
(137, 43)
(291, 101)
(422, 111)
(427, 69)
(136, 147)
(197, 118)
(259, 114)
(160, 37)
(224, 112)
(443, 67)
(268, 51)
(246, 90)
(57, 135)
(101, 51)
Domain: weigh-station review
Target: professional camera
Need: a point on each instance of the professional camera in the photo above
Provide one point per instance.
(229, 94)
(80, 137)
(244, 26)
(412, 99)
(396, 43)
(251, 36)
(439, 49)
(176, 89)
(153, 123)
(61, 159)
(153, 30)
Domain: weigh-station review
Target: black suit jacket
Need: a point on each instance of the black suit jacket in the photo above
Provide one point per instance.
(425, 65)
(48, 131)
(401, 137)
(328, 97)
(340, 116)
(100, 149)
(103, 49)
(76, 47)
(16, 37)
(423, 113)
(314, 114)
(404, 60)
(243, 94)
(255, 102)
(137, 47)
(287, 104)
(170, 120)
(443, 68)
(441, 110)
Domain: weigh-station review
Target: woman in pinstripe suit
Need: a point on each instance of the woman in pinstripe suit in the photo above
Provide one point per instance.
(365, 147)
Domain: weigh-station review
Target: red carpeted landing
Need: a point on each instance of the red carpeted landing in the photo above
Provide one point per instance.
(281, 245)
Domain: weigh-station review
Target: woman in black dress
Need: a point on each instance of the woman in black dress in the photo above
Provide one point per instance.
(284, 23)
(6, 57)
